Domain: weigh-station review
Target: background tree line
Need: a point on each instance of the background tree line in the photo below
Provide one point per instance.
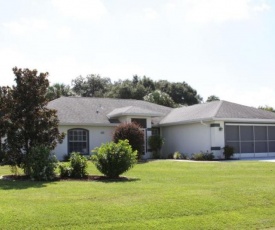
(163, 92)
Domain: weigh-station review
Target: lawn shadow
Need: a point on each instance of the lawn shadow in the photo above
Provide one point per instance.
(7, 183)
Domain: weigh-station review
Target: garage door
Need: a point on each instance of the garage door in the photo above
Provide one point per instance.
(247, 138)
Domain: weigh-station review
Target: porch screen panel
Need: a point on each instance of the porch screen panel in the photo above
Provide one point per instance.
(250, 138)
(246, 133)
(271, 146)
(232, 133)
(261, 147)
(271, 133)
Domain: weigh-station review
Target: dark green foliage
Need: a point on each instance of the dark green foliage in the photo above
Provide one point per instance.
(75, 168)
(132, 133)
(155, 142)
(92, 86)
(181, 93)
(65, 170)
(228, 152)
(40, 164)
(113, 159)
(212, 98)
(57, 90)
(177, 93)
(27, 120)
(160, 98)
(203, 156)
(267, 108)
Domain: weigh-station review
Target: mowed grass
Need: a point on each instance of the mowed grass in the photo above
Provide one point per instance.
(160, 195)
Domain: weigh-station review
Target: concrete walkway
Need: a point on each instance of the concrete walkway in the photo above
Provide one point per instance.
(265, 159)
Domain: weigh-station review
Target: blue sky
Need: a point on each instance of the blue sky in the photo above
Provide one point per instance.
(221, 47)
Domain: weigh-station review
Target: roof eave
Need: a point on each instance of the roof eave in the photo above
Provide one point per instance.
(89, 124)
(209, 119)
(135, 114)
(246, 120)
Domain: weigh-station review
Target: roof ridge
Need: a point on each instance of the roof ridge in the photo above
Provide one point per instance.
(219, 107)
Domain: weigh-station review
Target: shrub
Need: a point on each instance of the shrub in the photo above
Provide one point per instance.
(228, 152)
(113, 159)
(75, 168)
(41, 164)
(132, 133)
(156, 143)
(177, 155)
(65, 170)
(203, 156)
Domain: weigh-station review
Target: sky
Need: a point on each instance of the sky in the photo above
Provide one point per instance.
(219, 47)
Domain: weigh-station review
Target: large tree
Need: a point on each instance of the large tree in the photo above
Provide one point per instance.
(160, 98)
(57, 90)
(31, 123)
(4, 114)
(181, 93)
(213, 98)
(267, 108)
(92, 86)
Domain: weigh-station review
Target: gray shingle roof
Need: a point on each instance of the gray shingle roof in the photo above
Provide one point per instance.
(133, 110)
(217, 110)
(86, 110)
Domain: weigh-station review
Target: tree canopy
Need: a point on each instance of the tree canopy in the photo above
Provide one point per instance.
(57, 90)
(213, 98)
(31, 123)
(96, 86)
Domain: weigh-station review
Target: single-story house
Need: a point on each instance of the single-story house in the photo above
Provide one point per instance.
(89, 122)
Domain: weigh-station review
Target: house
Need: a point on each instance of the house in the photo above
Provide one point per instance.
(89, 122)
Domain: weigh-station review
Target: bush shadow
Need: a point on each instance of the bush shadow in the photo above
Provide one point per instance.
(115, 180)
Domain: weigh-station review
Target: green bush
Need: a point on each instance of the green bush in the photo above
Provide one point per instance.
(228, 152)
(203, 156)
(40, 164)
(132, 133)
(113, 159)
(177, 155)
(75, 168)
(155, 142)
(65, 170)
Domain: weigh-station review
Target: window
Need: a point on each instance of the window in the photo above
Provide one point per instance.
(141, 122)
(78, 141)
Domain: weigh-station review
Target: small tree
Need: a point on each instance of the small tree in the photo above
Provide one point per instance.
(156, 143)
(113, 159)
(132, 133)
(31, 123)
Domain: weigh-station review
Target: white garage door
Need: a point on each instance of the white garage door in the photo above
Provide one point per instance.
(250, 138)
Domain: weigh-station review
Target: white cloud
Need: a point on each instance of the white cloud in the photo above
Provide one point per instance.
(150, 14)
(64, 32)
(218, 11)
(24, 26)
(81, 9)
(261, 8)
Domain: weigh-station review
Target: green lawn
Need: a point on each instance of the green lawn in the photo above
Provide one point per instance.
(161, 195)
